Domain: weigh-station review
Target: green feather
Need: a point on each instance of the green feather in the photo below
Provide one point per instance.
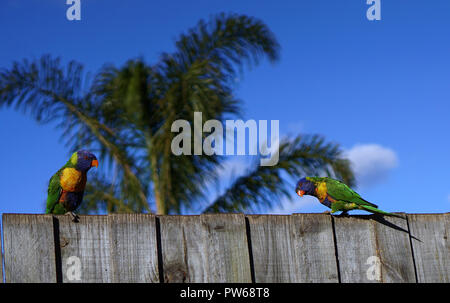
(54, 192)
(55, 189)
(341, 192)
(379, 211)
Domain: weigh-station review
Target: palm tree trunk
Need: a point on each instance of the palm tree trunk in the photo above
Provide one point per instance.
(160, 205)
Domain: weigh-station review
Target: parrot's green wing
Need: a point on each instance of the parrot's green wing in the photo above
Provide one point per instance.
(340, 191)
(54, 192)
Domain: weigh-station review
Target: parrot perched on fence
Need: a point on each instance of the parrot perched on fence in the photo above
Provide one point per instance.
(336, 195)
(66, 186)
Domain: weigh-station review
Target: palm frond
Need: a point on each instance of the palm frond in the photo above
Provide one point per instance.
(102, 196)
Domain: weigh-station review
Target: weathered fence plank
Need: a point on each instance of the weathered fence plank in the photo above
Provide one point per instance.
(394, 248)
(297, 248)
(274, 255)
(133, 248)
(216, 248)
(315, 244)
(85, 249)
(374, 250)
(29, 248)
(206, 248)
(431, 246)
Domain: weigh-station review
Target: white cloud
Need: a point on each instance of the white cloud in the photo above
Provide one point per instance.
(371, 163)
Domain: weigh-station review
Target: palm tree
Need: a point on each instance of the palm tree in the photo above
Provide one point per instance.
(126, 114)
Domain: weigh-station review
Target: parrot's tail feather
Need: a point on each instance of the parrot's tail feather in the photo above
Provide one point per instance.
(379, 211)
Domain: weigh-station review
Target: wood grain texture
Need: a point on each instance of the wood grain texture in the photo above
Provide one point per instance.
(297, 248)
(432, 246)
(89, 241)
(354, 246)
(274, 255)
(215, 248)
(133, 248)
(315, 246)
(29, 248)
(374, 249)
(206, 248)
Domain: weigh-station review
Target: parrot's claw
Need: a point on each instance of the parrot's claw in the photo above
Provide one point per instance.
(75, 217)
(343, 214)
(327, 212)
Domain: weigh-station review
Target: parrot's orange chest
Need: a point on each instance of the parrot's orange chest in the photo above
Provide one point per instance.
(321, 191)
(72, 180)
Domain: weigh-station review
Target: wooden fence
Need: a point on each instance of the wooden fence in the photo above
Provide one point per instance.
(226, 248)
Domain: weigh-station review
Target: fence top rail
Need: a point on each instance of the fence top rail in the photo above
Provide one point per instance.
(229, 247)
(225, 214)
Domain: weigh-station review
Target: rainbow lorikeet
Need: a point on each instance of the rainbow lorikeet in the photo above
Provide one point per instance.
(336, 195)
(66, 186)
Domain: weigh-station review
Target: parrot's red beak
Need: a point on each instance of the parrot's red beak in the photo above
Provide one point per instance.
(301, 193)
(94, 163)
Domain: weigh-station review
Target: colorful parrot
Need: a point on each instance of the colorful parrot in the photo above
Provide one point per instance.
(66, 186)
(336, 195)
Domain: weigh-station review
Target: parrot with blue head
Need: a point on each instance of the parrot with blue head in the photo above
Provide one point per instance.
(336, 195)
(66, 186)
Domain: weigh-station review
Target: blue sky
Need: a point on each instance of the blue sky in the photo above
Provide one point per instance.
(379, 88)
